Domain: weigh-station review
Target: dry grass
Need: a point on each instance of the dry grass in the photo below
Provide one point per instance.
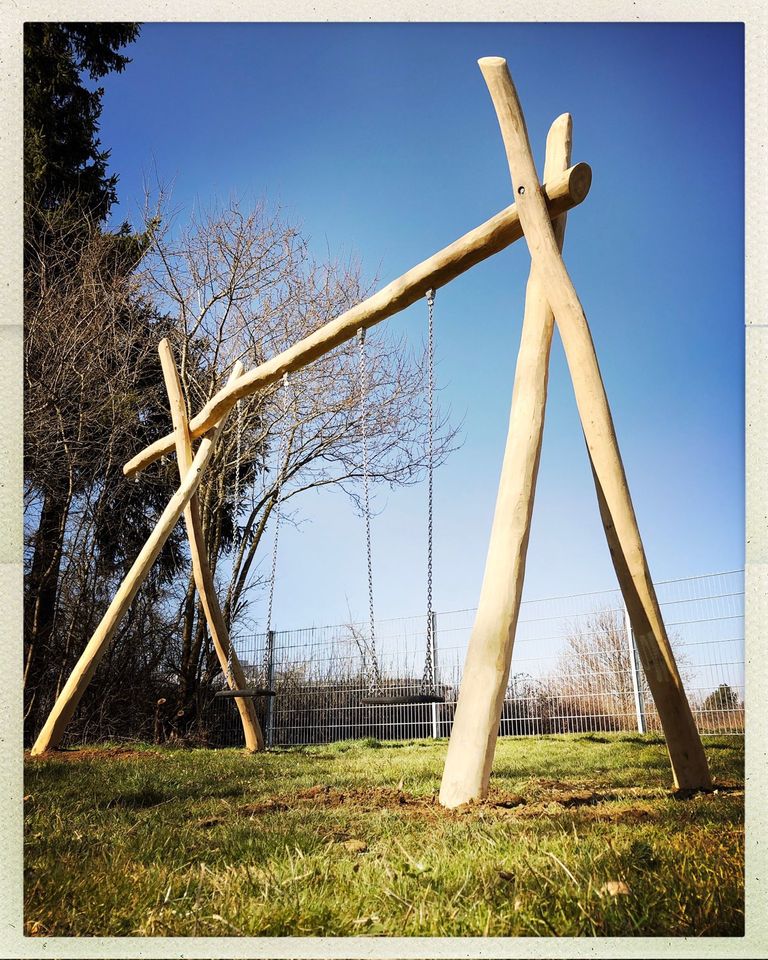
(581, 836)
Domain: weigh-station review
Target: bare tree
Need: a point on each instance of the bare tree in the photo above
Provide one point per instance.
(241, 285)
(595, 670)
(91, 383)
(593, 678)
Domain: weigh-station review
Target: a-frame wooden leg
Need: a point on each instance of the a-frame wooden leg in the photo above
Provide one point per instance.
(51, 735)
(689, 763)
(201, 569)
(486, 670)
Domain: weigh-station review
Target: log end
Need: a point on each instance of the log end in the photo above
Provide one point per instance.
(561, 130)
(491, 62)
(579, 182)
(133, 466)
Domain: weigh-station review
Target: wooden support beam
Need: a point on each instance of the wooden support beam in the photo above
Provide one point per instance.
(201, 569)
(53, 730)
(689, 763)
(566, 191)
(489, 654)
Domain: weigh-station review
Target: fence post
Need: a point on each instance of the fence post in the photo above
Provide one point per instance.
(435, 706)
(270, 641)
(634, 669)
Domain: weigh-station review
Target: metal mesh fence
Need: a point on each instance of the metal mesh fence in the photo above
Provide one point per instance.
(574, 669)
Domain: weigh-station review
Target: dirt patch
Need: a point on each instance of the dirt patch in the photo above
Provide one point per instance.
(589, 804)
(371, 799)
(559, 785)
(719, 786)
(574, 798)
(625, 815)
(97, 753)
(361, 799)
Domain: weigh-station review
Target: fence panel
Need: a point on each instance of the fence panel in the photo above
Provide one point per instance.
(573, 669)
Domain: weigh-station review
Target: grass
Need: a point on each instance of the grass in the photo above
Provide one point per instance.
(581, 836)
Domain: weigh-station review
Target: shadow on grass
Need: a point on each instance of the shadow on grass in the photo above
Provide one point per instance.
(137, 800)
(147, 797)
(688, 794)
(641, 740)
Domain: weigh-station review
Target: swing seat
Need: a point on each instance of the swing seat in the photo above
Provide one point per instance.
(245, 692)
(403, 700)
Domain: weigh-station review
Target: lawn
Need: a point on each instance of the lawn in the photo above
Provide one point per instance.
(581, 836)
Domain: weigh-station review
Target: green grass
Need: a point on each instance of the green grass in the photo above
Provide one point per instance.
(161, 842)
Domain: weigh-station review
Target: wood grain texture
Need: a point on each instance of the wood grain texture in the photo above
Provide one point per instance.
(486, 670)
(689, 763)
(201, 570)
(66, 703)
(568, 190)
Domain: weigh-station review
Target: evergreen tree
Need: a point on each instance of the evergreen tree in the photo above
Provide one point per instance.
(63, 159)
(92, 381)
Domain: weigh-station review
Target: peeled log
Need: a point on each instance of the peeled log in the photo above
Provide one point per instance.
(689, 763)
(489, 654)
(568, 190)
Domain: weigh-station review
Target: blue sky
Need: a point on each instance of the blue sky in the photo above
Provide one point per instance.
(381, 139)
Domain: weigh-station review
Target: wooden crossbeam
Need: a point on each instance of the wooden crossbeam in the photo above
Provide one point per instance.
(563, 193)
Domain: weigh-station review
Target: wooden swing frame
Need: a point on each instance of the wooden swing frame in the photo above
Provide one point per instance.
(538, 215)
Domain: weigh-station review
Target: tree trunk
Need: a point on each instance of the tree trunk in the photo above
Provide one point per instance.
(41, 593)
(187, 643)
(42, 583)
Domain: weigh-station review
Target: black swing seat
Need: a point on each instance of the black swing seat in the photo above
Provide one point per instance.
(404, 700)
(245, 692)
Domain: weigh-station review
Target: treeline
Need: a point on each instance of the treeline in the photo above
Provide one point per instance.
(232, 282)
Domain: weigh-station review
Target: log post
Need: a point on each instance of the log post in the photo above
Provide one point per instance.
(201, 570)
(689, 763)
(489, 654)
(66, 703)
(566, 191)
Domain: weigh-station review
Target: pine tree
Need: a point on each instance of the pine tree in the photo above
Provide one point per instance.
(63, 159)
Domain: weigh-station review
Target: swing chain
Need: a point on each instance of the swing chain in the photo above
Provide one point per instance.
(428, 680)
(374, 675)
(230, 680)
(283, 452)
(237, 460)
(236, 503)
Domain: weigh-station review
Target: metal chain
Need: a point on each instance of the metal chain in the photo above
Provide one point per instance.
(283, 451)
(374, 676)
(230, 681)
(229, 675)
(267, 658)
(237, 459)
(427, 680)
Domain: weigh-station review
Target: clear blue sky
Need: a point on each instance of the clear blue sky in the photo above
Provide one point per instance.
(381, 139)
